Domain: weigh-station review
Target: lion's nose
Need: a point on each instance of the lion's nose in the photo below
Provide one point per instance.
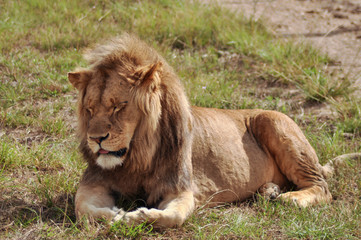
(99, 139)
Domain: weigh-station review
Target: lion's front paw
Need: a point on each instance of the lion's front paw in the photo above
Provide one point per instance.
(119, 216)
(158, 218)
(139, 216)
(132, 218)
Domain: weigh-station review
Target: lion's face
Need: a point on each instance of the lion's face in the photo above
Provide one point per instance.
(112, 118)
(109, 111)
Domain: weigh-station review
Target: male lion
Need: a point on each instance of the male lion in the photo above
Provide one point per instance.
(142, 140)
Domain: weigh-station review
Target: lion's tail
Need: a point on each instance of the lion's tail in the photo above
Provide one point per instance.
(329, 168)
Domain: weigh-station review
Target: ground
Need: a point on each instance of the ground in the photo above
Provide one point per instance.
(333, 26)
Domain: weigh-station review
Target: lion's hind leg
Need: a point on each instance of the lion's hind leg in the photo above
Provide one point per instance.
(307, 196)
(294, 156)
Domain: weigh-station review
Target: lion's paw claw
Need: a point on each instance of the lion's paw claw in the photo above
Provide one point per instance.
(119, 216)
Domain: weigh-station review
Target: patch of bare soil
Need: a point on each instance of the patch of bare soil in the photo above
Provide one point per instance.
(333, 26)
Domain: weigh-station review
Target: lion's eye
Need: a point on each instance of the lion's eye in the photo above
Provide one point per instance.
(90, 111)
(120, 106)
(116, 109)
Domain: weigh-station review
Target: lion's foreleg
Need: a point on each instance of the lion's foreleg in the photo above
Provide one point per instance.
(173, 211)
(94, 202)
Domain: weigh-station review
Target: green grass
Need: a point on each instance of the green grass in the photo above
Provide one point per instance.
(224, 61)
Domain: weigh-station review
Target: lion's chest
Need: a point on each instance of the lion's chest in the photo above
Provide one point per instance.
(132, 187)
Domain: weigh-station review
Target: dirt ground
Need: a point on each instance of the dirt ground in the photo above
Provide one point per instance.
(333, 26)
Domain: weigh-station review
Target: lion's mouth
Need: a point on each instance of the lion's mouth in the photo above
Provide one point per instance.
(119, 153)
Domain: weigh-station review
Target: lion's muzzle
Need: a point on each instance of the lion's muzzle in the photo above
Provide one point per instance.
(99, 139)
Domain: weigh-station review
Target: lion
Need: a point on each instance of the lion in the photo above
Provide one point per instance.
(141, 139)
(269, 191)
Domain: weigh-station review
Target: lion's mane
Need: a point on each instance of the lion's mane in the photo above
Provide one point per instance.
(165, 124)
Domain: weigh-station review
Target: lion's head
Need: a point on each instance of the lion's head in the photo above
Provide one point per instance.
(126, 97)
(116, 93)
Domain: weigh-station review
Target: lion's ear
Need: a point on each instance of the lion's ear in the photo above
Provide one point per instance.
(79, 79)
(148, 77)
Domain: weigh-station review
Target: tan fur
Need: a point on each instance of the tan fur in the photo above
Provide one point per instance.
(173, 156)
(269, 191)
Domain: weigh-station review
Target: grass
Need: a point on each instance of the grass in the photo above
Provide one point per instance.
(224, 60)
